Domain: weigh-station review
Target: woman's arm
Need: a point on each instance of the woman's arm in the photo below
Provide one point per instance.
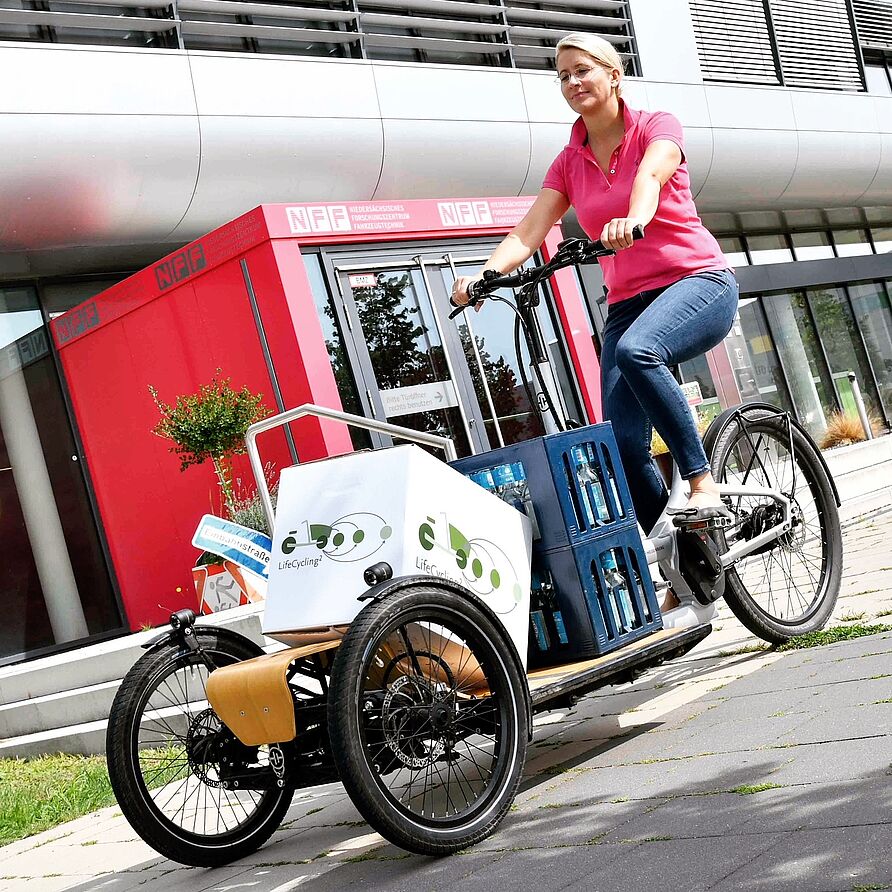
(521, 243)
(660, 161)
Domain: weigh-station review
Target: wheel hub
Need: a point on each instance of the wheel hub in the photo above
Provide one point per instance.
(442, 716)
(203, 747)
(794, 538)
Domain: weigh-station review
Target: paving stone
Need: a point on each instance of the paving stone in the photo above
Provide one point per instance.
(678, 777)
(544, 869)
(847, 723)
(821, 861)
(684, 817)
(405, 874)
(857, 761)
(571, 823)
(672, 865)
(822, 806)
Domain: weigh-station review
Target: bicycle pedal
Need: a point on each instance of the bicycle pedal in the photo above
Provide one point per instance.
(707, 519)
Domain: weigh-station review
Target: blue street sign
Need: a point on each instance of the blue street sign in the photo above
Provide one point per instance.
(232, 541)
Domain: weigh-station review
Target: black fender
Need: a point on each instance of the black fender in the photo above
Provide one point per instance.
(176, 637)
(731, 416)
(383, 589)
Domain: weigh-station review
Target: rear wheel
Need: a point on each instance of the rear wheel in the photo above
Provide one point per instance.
(185, 783)
(789, 586)
(427, 720)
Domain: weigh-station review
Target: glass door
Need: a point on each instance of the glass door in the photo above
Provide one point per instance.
(461, 378)
(409, 362)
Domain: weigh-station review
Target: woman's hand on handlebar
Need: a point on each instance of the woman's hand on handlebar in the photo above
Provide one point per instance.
(460, 296)
(617, 233)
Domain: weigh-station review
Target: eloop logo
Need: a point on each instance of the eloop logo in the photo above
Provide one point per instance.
(464, 213)
(318, 218)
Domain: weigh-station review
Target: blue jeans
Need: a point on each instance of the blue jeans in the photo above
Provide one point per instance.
(643, 337)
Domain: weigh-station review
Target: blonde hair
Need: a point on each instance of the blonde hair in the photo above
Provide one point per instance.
(601, 51)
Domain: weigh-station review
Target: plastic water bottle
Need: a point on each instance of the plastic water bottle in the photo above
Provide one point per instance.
(484, 479)
(522, 493)
(617, 593)
(594, 505)
(537, 622)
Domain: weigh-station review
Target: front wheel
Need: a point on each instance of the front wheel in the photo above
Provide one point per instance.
(185, 783)
(789, 586)
(427, 719)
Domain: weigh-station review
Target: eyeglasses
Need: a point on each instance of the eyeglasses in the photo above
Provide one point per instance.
(580, 74)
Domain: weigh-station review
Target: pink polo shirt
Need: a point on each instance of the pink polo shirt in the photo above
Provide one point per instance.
(676, 243)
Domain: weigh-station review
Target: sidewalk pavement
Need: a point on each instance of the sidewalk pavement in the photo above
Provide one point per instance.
(730, 769)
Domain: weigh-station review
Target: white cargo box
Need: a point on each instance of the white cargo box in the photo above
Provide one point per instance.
(335, 518)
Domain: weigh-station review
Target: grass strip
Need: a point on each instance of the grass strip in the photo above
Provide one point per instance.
(36, 794)
(832, 635)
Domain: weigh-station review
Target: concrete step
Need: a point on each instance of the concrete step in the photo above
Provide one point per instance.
(61, 703)
(106, 661)
(86, 704)
(86, 739)
(863, 475)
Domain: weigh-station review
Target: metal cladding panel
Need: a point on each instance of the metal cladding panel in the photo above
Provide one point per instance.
(446, 159)
(749, 108)
(750, 169)
(420, 93)
(547, 142)
(246, 160)
(544, 101)
(94, 81)
(75, 179)
(832, 169)
(880, 190)
(686, 101)
(261, 86)
(98, 146)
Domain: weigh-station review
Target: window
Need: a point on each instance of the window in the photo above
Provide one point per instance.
(756, 364)
(811, 245)
(53, 575)
(878, 82)
(873, 317)
(733, 249)
(334, 343)
(801, 357)
(768, 249)
(851, 242)
(842, 344)
(882, 239)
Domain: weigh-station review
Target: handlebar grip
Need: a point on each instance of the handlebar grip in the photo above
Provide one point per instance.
(473, 299)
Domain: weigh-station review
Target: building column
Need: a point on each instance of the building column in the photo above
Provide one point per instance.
(35, 493)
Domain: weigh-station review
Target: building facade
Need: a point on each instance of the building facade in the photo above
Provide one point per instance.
(131, 128)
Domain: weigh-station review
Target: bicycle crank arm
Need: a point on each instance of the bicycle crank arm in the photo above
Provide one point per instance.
(775, 531)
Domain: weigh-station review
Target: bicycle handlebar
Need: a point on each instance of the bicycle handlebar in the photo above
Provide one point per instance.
(570, 251)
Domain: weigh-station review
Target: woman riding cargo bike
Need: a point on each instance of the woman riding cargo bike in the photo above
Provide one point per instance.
(429, 610)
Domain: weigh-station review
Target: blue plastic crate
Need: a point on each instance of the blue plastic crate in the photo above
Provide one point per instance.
(575, 614)
(575, 483)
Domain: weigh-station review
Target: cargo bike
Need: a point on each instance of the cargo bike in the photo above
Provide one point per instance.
(429, 609)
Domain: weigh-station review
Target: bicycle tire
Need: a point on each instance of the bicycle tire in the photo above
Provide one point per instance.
(367, 758)
(820, 568)
(133, 768)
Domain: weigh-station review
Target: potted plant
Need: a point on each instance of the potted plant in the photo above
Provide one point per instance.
(210, 425)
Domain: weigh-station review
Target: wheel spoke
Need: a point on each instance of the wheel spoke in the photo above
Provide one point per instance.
(786, 581)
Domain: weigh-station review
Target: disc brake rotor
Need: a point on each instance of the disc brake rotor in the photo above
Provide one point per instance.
(409, 731)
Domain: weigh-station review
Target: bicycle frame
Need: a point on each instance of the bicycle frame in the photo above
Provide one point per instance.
(660, 546)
